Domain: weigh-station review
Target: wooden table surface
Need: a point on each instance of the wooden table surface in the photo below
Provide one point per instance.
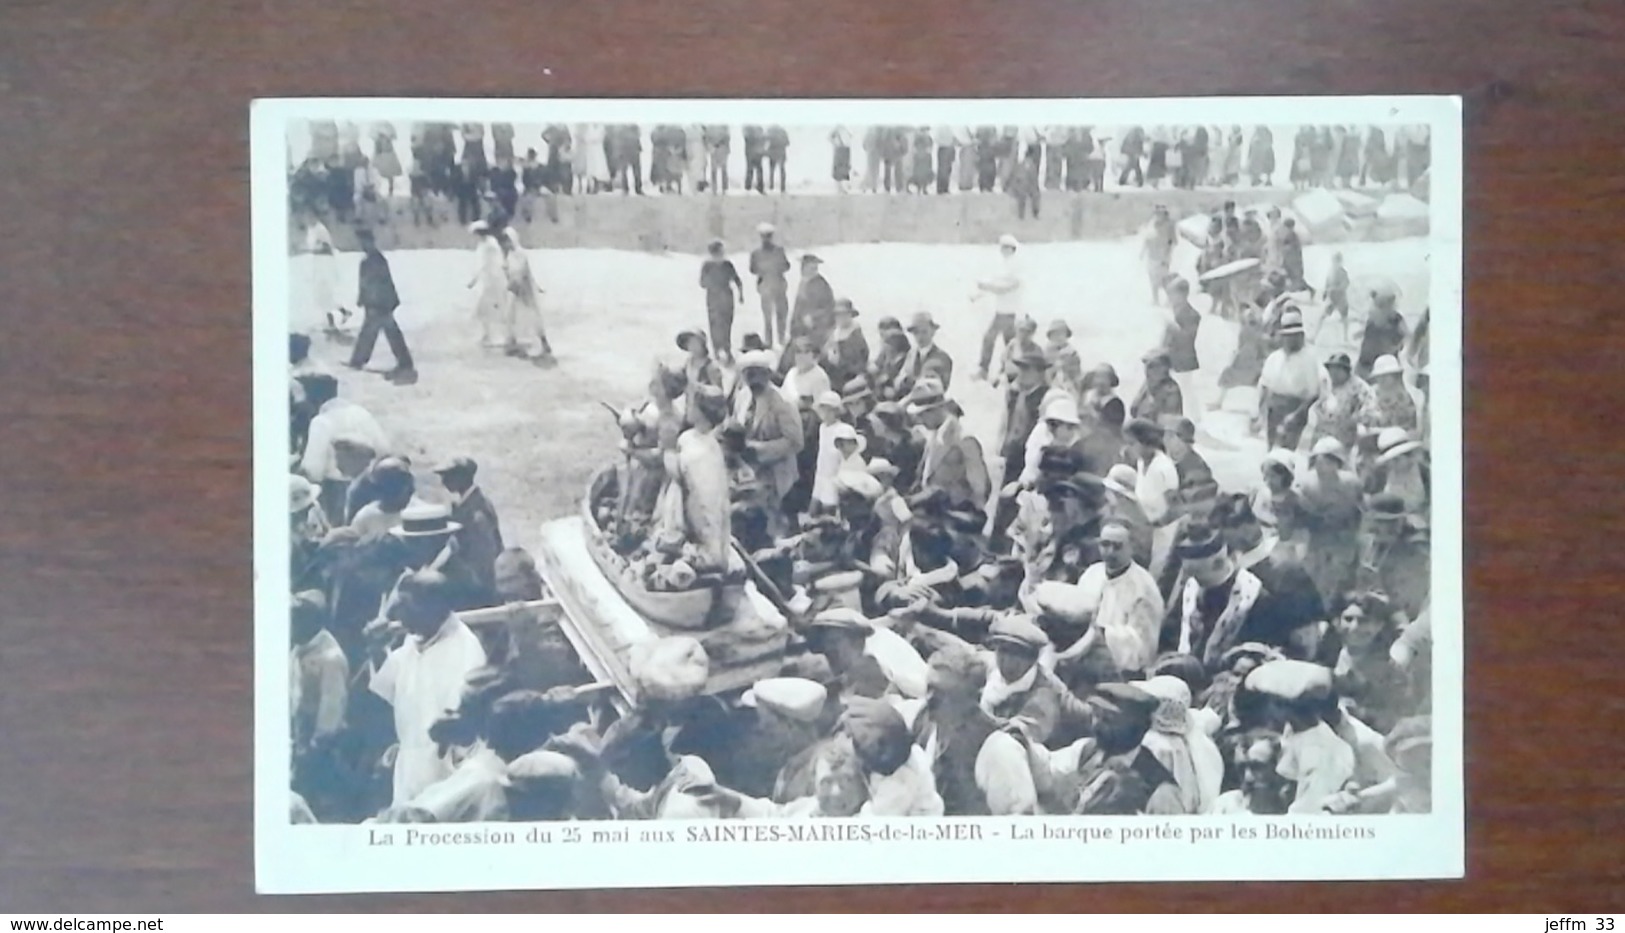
(125, 658)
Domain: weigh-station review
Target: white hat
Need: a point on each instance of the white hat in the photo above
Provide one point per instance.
(794, 698)
(1122, 478)
(1010, 241)
(829, 399)
(1386, 365)
(302, 493)
(1328, 447)
(422, 519)
(541, 767)
(841, 431)
(764, 228)
(478, 226)
(1395, 442)
(1174, 703)
(1063, 601)
(1286, 458)
(757, 359)
(1290, 680)
(1062, 407)
(843, 618)
(671, 668)
(859, 483)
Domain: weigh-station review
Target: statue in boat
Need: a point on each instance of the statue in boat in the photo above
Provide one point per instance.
(660, 527)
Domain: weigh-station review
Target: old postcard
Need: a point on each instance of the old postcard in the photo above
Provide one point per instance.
(836, 492)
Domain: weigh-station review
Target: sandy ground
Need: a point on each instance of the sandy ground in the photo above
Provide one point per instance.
(538, 434)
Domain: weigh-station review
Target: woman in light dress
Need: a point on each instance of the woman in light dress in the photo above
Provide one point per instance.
(527, 338)
(694, 139)
(324, 274)
(491, 278)
(593, 155)
(384, 160)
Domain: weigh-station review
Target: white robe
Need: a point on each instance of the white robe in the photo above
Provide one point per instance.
(423, 681)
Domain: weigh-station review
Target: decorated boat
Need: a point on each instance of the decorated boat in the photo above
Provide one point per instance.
(708, 602)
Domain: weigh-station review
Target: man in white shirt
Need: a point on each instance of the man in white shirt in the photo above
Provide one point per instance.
(1006, 289)
(1288, 386)
(422, 679)
(487, 722)
(1126, 621)
(343, 440)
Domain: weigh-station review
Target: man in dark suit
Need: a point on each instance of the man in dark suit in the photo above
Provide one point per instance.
(813, 314)
(1294, 604)
(378, 299)
(479, 537)
(755, 157)
(925, 359)
(845, 350)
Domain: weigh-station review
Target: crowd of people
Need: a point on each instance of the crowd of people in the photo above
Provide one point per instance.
(1069, 616)
(462, 170)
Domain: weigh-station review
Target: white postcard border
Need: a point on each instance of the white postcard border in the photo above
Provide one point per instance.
(293, 859)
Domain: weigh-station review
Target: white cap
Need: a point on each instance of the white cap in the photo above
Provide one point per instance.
(859, 483)
(828, 400)
(1062, 407)
(793, 698)
(764, 228)
(757, 359)
(1122, 478)
(1386, 365)
(1010, 241)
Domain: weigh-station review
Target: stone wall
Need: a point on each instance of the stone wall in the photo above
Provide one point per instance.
(685, 224)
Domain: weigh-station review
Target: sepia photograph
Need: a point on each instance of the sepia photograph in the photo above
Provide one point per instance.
(955, 498)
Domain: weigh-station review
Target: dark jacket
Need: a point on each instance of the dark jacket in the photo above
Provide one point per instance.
(917, 365)
(1158, 400)
(479, 541)
(1125, 785)
(377, 291)
(846, 358)
(814, 311)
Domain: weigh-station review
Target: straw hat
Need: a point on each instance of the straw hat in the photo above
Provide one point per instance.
(1395, 442)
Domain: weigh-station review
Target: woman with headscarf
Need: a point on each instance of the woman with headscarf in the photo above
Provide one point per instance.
(1177, 741)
